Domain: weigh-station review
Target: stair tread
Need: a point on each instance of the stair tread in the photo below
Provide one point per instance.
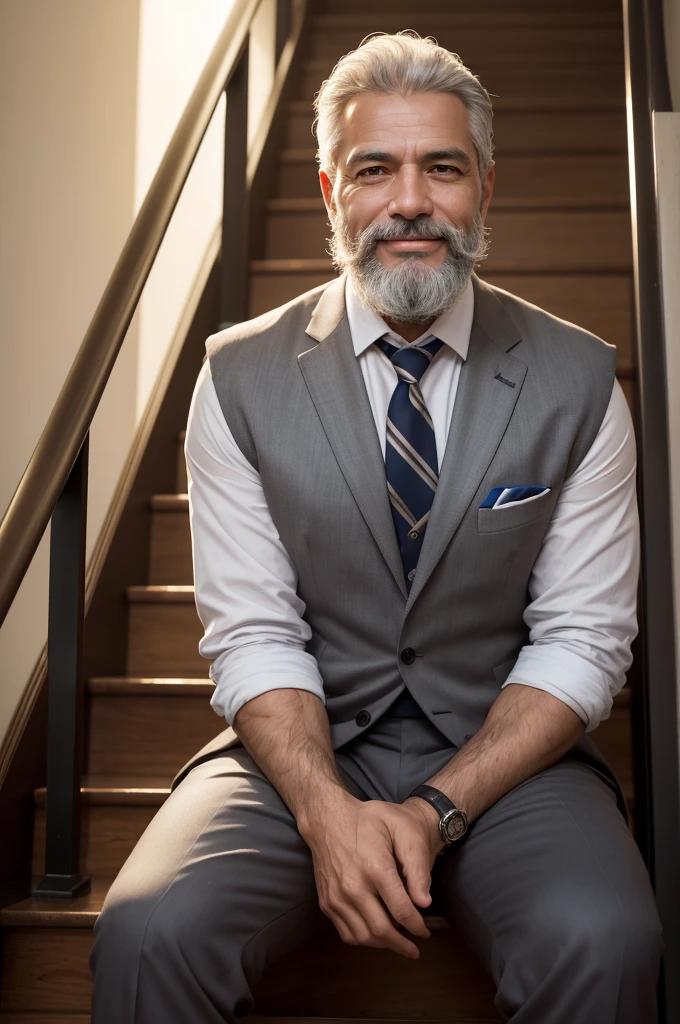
(146, 685)
(111, 790)
(83, 911)
(169, 502)
(160, 593)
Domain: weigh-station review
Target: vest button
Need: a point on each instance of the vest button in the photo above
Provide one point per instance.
(413, 534)
(363, 718)
(408, 655)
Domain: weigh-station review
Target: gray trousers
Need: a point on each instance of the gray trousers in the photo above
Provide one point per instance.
(548, 887)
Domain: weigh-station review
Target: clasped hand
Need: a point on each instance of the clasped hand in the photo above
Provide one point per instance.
(358, 852)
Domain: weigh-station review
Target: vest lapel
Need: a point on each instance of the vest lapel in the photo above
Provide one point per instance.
(337, 389)
(481, 413)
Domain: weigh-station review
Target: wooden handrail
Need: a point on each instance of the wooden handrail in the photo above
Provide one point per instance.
(35, 498)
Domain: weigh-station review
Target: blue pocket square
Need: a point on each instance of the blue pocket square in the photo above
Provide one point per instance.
(498, 496)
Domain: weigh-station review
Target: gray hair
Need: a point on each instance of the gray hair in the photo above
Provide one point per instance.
(401, 63)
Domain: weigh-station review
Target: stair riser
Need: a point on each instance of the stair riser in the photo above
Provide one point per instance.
(267, 291)
(523, 45)
(147, 736)
(563, 179)
(519, 133)
(155, 735)
(163, 641)
(47, 970)
(170, 561)
(542, 87)
(542, 8)
(520, 241)
(109, 835)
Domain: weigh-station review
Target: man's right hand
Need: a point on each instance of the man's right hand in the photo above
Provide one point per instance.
(356, 846)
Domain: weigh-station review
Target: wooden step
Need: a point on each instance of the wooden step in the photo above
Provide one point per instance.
(170, 558)
(148, 727)
(534, 8)
(508, 40)
(117, 808)
(505, 18)
(163, 633)
(115, 813)
(515, 132)
(537, 87)
(547, 241)
(526, 180)
(47, 943)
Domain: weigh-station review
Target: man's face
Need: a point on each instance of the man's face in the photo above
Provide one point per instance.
(404, 157)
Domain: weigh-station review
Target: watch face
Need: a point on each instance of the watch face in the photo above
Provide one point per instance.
(456, 826)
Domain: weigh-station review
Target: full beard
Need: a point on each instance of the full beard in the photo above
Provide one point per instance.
(411, 292)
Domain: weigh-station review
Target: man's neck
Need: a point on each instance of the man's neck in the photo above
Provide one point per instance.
(409, 332)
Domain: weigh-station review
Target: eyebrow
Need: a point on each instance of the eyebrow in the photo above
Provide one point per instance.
(381, 156)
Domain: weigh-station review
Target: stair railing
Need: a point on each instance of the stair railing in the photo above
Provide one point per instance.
(655, 706)
(54, 484)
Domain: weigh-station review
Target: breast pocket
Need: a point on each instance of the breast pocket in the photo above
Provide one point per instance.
(510, 517)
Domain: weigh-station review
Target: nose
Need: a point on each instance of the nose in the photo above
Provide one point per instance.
(410, 195)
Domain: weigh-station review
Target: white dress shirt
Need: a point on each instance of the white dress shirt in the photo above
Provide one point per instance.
(583, 587)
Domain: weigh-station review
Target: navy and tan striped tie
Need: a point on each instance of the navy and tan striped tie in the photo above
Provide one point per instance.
(411, 450)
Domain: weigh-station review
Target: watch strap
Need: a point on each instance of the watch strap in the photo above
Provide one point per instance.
(435, 797)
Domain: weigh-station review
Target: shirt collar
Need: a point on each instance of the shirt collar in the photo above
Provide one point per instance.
(452, 327)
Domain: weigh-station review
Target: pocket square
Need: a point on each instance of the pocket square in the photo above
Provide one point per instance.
(503, 496)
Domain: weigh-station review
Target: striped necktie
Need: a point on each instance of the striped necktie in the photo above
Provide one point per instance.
(411, 450)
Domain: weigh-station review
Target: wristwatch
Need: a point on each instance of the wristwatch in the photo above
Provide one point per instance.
(453, 822)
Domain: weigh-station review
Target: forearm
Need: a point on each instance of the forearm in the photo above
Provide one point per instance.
(525, 731)
(287, 733)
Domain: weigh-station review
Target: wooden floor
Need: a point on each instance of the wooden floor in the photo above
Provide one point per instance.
(561, 235)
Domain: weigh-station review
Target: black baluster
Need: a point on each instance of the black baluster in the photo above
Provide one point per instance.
(62, 878)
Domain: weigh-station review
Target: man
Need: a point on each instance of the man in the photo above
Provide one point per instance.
(416, 550)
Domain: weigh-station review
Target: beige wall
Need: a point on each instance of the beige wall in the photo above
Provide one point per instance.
(90, 94)
(68, 71)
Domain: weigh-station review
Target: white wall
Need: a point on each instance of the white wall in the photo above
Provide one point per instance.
(68, 71)
(90, 94)
(175, 40)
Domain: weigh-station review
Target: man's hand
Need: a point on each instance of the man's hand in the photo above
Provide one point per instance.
(372, 863)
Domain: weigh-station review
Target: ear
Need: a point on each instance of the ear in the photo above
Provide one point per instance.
(327, 192)
(487, 189)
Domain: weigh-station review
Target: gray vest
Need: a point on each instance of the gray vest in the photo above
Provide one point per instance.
(531, 397)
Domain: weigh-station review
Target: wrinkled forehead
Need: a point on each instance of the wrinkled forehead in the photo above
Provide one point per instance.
(407, 127)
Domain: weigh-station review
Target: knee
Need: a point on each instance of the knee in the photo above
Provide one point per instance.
(119, 928)
(598, 934)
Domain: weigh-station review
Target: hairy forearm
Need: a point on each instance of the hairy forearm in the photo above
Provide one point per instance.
(525, 731)
(287, 734)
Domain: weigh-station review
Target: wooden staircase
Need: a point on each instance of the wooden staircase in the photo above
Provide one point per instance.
(561, 238)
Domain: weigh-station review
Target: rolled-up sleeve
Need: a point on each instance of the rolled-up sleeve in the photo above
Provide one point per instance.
(582, 615)
(245, 582)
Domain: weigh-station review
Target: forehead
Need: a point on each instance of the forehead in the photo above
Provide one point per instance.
(423, 118)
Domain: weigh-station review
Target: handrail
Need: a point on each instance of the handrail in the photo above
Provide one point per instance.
(36, 495)
(654, 718)
(54, 484)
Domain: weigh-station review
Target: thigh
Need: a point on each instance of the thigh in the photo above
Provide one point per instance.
(220, 883)
(552, 866)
